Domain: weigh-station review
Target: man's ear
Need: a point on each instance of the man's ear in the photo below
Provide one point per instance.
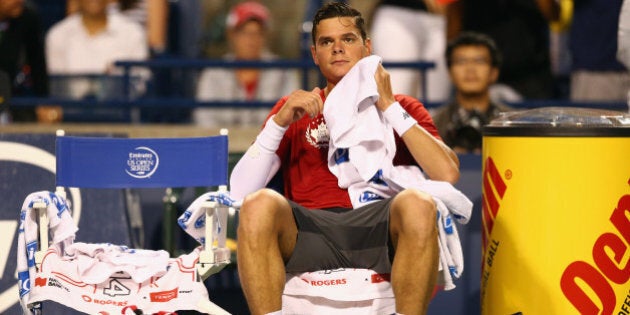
(494, 74)
(368, 46)
(314, 55)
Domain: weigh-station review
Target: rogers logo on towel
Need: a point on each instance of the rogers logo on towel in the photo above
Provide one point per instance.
(142, 162)
(164, 296)
(319, 283)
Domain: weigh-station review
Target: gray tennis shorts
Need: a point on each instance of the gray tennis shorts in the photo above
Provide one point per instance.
(333, 239)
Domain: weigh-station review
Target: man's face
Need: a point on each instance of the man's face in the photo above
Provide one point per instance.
(338, 46)
(11, 8)
(93, 7)
(471, 69)
(248, 41)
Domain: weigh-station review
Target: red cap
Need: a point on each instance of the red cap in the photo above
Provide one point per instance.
(246, 11)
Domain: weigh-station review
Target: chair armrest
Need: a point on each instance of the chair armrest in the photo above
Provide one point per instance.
(41, 209)
(215, 254)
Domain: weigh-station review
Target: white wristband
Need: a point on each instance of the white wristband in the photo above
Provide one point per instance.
(398, 118)
(269, 138)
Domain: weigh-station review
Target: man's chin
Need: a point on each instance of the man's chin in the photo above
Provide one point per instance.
(472, 94)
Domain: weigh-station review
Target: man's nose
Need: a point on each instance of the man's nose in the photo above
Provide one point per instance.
(337, 47)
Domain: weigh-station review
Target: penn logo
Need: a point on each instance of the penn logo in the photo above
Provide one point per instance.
(609, 270)
(142, 162)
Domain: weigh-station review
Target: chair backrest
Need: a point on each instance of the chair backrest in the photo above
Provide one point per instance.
(98, 162)
(106, 162)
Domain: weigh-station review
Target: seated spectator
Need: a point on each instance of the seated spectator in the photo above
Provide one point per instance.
(396, 38)
(596, 74)
(520, 29)
(247, 27)
(623, 39)
(473, 61)
(89, 42)
(152, 15)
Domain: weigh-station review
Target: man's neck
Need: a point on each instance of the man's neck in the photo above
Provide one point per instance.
(328, 88)
(478, 102)
(94, 24)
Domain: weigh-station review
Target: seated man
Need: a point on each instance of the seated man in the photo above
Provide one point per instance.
(314, 226)
(473, 61)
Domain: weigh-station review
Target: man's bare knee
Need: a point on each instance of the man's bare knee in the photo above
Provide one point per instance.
(267, 216)
(260, 210)
(413, 211)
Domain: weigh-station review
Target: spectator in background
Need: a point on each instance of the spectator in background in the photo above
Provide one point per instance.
(596, 74)
(412, 30)
(89, 42)
(520, 29)
(151, 14)
(623, 39)
(623, 35)
(22, 59)
(473, 62)
(247, 27)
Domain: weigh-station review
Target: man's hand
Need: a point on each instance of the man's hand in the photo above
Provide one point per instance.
(298, 104)
(384, 87)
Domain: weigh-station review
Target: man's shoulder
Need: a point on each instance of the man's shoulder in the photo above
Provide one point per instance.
(502, 107)
(406, 98)
(446, 107)
(125, 25)
(409, 103)
(69, 24)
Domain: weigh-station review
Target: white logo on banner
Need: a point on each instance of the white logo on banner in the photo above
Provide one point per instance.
(142, 162)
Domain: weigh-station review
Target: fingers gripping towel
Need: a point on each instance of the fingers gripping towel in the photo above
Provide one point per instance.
(99, 278)
(361, 151)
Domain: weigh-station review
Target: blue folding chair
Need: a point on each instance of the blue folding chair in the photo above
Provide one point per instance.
(97, 162)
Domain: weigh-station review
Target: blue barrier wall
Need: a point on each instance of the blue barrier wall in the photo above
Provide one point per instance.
(103, 218)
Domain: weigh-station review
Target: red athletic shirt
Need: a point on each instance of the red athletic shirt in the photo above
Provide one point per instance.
(303, 153)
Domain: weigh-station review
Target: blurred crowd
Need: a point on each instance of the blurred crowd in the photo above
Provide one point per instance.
(526, 50)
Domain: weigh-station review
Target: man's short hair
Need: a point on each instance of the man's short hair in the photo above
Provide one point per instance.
(338, 9)
(474, 39)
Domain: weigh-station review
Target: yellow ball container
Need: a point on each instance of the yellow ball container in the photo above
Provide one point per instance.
(556, 213)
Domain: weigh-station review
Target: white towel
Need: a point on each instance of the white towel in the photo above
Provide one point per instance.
(178, 289)
(97, 262)
(63, 232)
(360, 128)
(60, 278)
(361, 151)
(193, 220)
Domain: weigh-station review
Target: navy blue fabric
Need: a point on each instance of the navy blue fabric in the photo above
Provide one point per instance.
(141, 162)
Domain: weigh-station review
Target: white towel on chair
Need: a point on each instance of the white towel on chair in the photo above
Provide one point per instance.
(177, 289)
(172, 286)
(61, 226)
(361, 151)
(193, 220)
(97, 262)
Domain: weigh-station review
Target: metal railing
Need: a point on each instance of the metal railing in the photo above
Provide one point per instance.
(123, 98)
